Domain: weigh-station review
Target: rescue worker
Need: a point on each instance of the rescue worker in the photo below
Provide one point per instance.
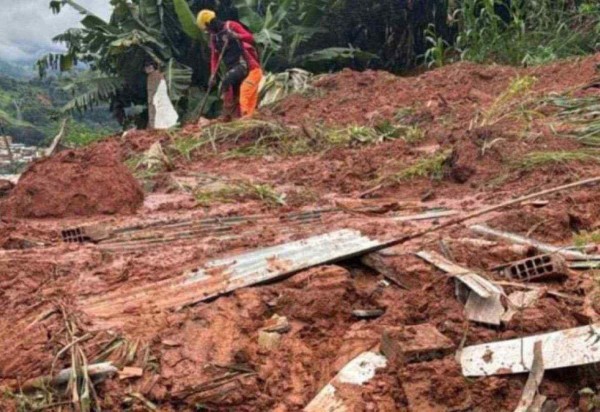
(239, 86)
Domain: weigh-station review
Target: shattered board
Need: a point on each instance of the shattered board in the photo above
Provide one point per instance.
(357, 372)
(571, 347)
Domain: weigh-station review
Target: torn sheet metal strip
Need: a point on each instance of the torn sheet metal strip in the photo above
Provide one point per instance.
(565, 348)
(357, 372)
(530, 392)
(476, 283)
(483, 303)
(543, 247)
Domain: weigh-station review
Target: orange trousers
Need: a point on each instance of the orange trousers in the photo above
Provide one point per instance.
(249, 92)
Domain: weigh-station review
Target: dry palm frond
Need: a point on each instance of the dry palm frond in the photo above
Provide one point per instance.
(539, 159)
(583, 113)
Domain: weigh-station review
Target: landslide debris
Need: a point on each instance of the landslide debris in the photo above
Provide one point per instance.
(207, 356)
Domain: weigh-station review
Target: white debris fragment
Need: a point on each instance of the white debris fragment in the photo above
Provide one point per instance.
(561, 349)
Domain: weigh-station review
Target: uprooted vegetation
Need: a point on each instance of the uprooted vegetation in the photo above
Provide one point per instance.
(238, 191)
(355, 162)
(265, 137)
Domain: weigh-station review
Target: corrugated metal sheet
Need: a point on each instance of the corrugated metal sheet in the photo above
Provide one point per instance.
(565, 348)
(225, 275)
(159, 233)
(264, 264)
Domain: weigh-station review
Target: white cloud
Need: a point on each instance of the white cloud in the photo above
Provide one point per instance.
(28, 26)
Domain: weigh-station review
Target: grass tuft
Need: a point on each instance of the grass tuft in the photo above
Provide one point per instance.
(431, 167)
(239, 191)
(510, 103)
(585, 238)
(185, 146)
(536, 160)
(261, 138)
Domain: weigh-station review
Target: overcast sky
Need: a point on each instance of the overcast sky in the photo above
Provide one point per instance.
(27, 26)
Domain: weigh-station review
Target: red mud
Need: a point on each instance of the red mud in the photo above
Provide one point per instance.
(75, 183)
(359, 98)
(208, 354)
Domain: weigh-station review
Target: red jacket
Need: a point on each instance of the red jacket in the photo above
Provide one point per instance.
(247, 39)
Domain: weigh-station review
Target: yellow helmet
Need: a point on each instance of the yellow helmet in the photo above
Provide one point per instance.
(205, 17)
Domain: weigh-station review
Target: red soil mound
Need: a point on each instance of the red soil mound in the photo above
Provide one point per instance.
(75, 183)
(460, 89)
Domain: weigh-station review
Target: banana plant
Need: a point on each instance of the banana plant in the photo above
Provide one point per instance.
(116, 50)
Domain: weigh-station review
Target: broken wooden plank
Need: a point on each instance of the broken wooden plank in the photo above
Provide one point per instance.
(358, 371)
(543, 247)
(483, 211)
(476, 283)
(533, 381)
(561, 349)
(414, 343)
(377, 262)
(268, 341)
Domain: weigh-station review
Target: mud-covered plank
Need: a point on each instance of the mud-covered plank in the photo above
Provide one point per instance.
(561, 349)
(357, 372)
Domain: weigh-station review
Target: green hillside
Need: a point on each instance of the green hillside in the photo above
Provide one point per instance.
(30, 110)
(18, 70)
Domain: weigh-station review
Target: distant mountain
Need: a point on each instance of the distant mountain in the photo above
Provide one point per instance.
(30, 109)
(17, 70)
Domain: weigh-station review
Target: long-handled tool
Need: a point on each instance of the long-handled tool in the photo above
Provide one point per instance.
(211, 81)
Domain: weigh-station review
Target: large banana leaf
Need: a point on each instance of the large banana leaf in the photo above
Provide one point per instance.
(187, 20)
(152, 14)
(91, 89)
(277, 86)
(179, 78)
(334, 54)
(166, 31)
